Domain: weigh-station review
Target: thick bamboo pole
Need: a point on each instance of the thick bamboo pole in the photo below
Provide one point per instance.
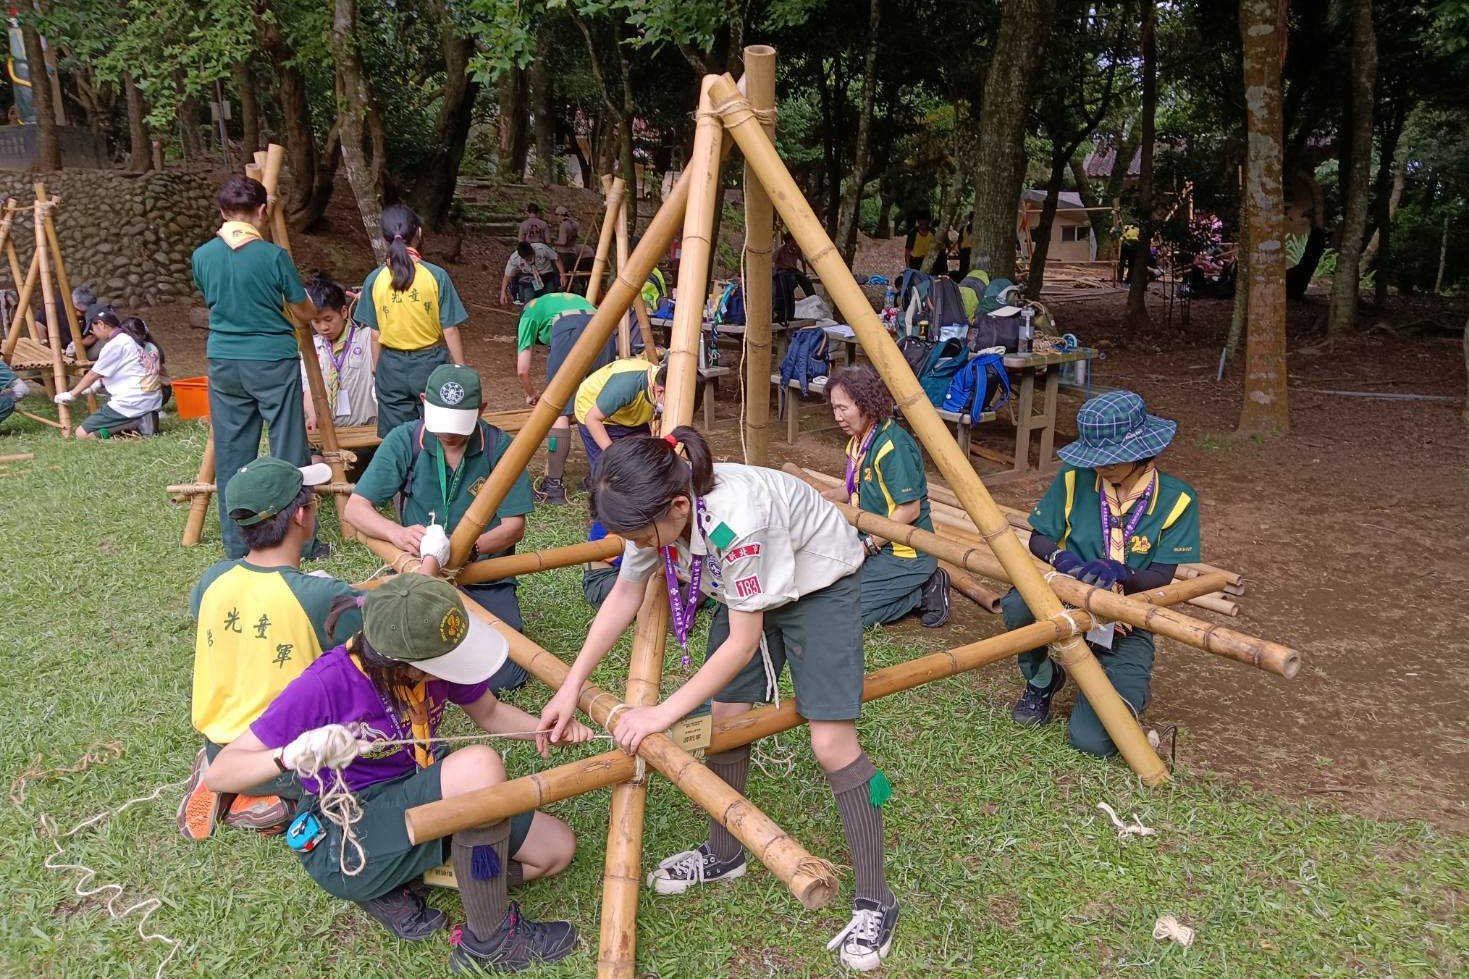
(23, 314)
(812, 881)
(640, 308)
(275, 158)
(1072, 652)
(495, 568)
(17, 457)
(615, 191)
(971, 588)
(199, 505)
(759, 247)
(58, 367)
(58, 263)
(196, 489)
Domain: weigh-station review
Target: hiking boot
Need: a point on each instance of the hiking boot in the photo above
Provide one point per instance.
(868, 937)
(518, 943)
(934, 605)
(201, 807)
(267, 814)
(694, 867)
(1034, 706)
(550, 490)
(403, 912)
(321, 552)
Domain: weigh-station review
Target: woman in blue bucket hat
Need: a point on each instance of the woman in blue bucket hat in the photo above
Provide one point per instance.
(1114, 520)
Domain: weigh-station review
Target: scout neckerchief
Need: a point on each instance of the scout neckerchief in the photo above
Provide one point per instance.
(682, 608)
(238, 234)
(449, 486)
(335, 364)
(854, 462)
(419, 731)
(1115, 504)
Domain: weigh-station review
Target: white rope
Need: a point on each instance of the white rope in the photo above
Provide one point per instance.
(772, 685)
(1169, 927)
(1126, 830)
(783, 762)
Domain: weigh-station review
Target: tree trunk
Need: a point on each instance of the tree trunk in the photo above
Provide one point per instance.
(851, 211)
(1101, 224)
(188, 119)
(244, 81)
(1037, 275)
(48, 137)
(884, 215)
(1265, 410)
(312, 173)
(1443, 257)
(1137, 292)
(1343, 313)
(1466, 370)
(543, 98)
(514, 131)
(573, 142)
(1391, 175)
(361, 127)
(626, 117)
(999, 170)
(1394, 197)
(140, 146)
(438, 168)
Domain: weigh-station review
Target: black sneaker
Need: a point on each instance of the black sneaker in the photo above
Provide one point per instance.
(518, 943)
(321, 552)
(403, 912)
(868, 937)
(550, 491)
(1034, 706)
(694, 867)
(934, 605)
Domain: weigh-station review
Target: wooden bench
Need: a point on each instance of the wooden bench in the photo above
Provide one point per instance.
(964, 426)
(708, 384)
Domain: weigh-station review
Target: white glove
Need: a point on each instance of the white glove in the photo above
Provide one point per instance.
(19, 389)
(332, 746)
(435, 544)
(71, 350)
(64, 398)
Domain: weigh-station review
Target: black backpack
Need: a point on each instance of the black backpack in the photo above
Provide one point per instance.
(783, 296)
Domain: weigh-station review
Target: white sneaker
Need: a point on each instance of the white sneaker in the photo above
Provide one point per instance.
(868, 937)
(691, 868)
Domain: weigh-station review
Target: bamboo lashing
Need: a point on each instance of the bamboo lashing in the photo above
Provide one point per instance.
(744, 126)
(79, 349)
(496, 568)
(52, 322)
(199, 505)
(756, 279)
(615, 188)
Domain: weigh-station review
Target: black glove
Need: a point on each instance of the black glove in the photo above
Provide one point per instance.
(1102, 573)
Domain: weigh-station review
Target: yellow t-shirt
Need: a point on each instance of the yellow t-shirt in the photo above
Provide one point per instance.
(620, 390)
(413, 318)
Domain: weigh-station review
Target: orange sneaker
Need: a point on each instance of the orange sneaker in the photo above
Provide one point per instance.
(262, 813)
(200, 808)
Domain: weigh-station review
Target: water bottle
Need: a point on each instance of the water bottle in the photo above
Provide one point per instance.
(1027, 328)
(889, 298)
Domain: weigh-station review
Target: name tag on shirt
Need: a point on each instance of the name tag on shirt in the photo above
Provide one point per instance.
(344, 404)
(1102, 634)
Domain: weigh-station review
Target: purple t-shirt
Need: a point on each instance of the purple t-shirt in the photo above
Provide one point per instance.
(333, 690)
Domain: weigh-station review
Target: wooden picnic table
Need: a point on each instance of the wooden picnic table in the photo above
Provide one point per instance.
(779, 333)
(1023, 370)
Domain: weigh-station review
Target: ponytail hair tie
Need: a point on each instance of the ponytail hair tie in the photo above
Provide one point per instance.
(671, 440)
(397, 237)
(360, 600)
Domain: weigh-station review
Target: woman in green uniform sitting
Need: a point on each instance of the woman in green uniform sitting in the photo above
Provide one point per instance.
(783, 565)
(414, 312)
(885, 476)
(1112, 519)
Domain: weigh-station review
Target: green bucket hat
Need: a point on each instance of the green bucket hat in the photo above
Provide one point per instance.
(266, 486)
(421, 620)
(1116, 427)
(451, 400)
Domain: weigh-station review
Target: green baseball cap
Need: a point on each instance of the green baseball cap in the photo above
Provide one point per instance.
(420, 620)
(451, 400)
(266, 486)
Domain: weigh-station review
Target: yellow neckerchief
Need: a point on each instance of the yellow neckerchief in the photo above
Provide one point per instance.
(1119, 500)
(238, 234)
(856, 446)
(416, 697)
(332, 376)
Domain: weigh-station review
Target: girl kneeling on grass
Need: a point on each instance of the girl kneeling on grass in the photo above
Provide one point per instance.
(784, 566)
(418, 649)
(130, 370)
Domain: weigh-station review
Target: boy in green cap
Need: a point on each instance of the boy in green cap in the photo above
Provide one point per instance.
(253, 291)
(556, 320)
(435, 467)
(1112, 519)
(259, 623)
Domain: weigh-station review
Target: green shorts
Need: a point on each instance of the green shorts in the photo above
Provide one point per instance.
(113, 421)
(596, 584)
(820, 636)
(399, 379)
(391, 860)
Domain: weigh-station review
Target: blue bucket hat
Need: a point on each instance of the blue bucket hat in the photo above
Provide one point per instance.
(1116, 427)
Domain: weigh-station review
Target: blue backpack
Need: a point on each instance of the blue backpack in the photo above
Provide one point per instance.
(977, 384)
(944, 361)
(806, 357)
(731, 308)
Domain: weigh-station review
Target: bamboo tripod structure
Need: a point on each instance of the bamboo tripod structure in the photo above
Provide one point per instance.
(726, 115)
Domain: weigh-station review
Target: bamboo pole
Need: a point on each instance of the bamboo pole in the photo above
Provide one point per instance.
(7, 222)
(759, 247)
(23, 314)
(1072, 653)
(495, 568)
(275, 158)
(17, 457)
(812, 881)
(63, 282)
(640, 308)
(199, 505)
(48, 294)
(972, 588)
(195, 489)
(615, 191)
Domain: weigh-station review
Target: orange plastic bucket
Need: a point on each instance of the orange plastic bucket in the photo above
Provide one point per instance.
(191, 394)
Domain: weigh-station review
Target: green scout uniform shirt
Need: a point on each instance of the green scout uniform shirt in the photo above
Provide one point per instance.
(620, 391)
(890, 475)
(384, 477)
(540, 314)
(416, 317)
(247, 290)
(1070, 514)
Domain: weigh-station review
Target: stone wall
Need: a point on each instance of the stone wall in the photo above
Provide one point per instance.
(128, 236)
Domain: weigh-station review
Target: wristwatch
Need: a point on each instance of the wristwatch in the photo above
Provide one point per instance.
(870, 545)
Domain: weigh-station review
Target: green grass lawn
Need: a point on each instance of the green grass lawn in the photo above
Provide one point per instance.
(1002, 862)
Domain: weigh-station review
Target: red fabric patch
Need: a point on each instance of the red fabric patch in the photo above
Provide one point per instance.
(744, 550)
(746, 587)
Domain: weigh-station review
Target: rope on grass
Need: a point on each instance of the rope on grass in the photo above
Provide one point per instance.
(1169, 927)
(1126, 830)
(96, 754)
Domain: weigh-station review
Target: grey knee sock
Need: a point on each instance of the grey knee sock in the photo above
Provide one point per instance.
(734, 767)
(514, 873)
(480, 867)
(556, 452)
(862, 823)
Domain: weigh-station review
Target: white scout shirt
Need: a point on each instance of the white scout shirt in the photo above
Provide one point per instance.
(132, 375)
(350, 391)
(773, 539)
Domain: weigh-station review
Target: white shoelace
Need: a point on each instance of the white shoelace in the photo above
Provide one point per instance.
(689, 862)
(865, 926)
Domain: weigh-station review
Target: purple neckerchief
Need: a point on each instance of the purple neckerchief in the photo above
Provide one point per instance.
(1140, 508)
(854, 465)
(682, 610)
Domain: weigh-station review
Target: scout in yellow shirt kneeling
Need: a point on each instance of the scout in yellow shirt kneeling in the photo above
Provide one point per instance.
(619, 400)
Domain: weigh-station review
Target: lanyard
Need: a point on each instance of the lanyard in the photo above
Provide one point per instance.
(855, 463)
(337, 362)
(683, 607)
(1140, 508)
(449, 488)
(420, 730)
